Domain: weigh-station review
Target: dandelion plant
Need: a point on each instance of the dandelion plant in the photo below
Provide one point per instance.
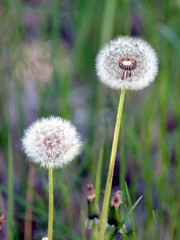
(52, 142)
(123, 63)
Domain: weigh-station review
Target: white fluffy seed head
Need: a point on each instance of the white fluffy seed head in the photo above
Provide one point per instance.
(52, 142)
(127, 62)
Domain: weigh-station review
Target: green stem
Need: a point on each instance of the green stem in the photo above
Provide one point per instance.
(111, 168)
(50, 220)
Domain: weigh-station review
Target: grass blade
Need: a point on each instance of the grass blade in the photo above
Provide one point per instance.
(83, 230)
(132, 217)
(155, 226)
(108, 21)
(98, 173)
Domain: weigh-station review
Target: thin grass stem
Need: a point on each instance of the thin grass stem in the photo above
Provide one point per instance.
(132, 216)
(29, 199)
(98, 173)
(108, 21)
(111, 168)
(83, 231)
(155, 226)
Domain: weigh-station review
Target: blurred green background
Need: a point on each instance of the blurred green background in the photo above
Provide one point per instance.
(47, 67)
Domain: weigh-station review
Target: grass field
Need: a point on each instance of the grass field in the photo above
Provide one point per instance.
(47, 65)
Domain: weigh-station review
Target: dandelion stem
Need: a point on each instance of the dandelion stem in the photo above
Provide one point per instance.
(111, 168)
(50, 220)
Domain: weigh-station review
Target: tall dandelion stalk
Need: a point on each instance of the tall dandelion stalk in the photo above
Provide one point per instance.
(124, 63)
(51, 204)
(52, 142)
(111, 165)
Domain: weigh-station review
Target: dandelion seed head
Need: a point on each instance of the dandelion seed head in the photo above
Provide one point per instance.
(52, 142)
(127, 62)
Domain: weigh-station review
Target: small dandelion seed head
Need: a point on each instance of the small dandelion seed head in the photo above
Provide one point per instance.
(52, 142)
(127, 62)
(44, 238)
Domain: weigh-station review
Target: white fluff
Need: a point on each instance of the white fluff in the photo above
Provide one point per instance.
(52, 142)
(111, 74)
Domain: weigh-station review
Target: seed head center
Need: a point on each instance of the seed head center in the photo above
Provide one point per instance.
(127, 64)
(53, 145)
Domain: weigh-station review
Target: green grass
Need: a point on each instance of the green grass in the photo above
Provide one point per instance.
(98, 174)
(132, 217)
(148, 156)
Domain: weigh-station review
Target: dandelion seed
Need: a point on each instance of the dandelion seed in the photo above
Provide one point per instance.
(52, 142)
(127, 62)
